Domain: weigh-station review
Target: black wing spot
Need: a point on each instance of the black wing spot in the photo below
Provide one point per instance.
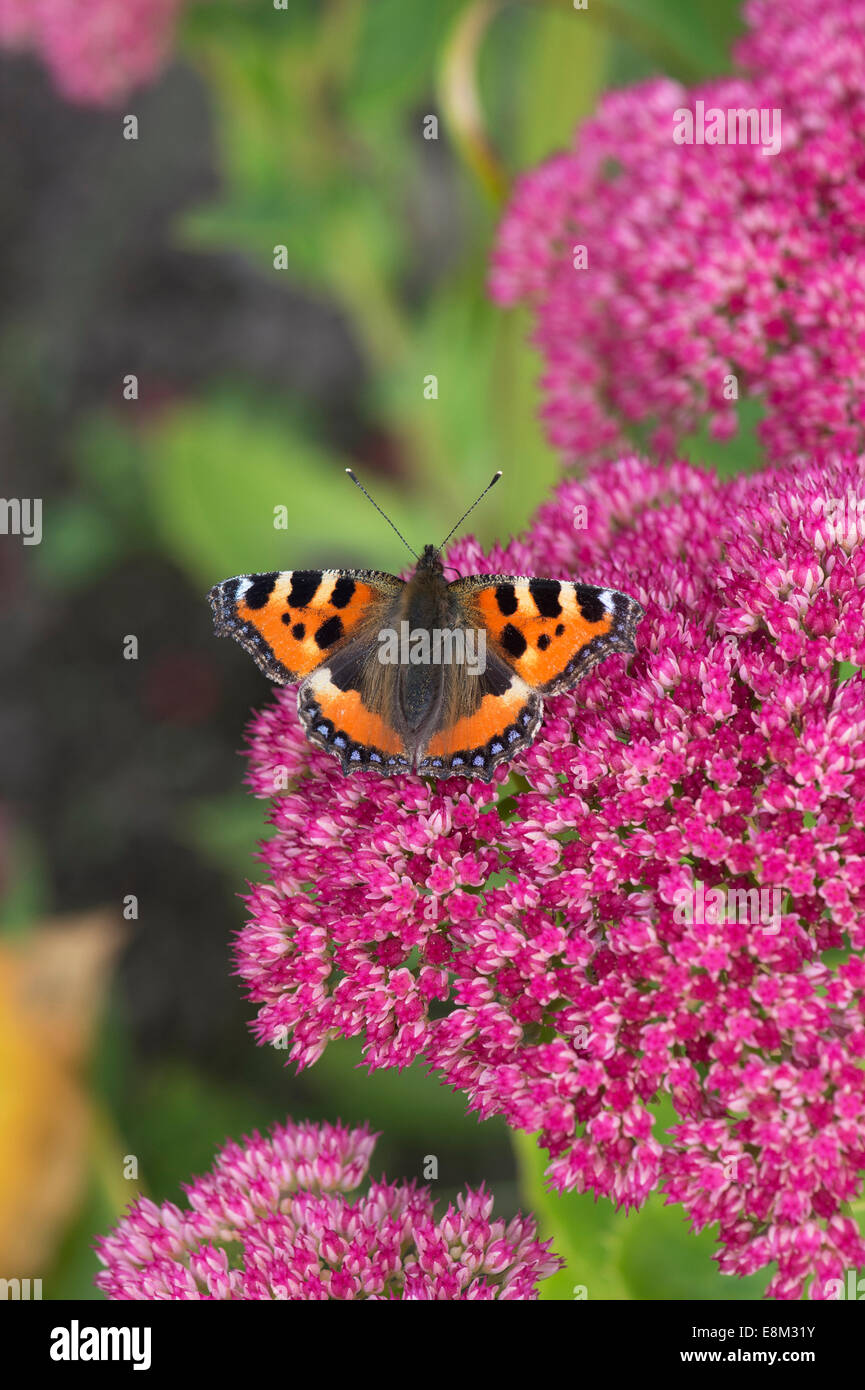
(298, 632)
(545, 593)
(329, 632)
(506, 598)
(343, 591)
(304, 584)
(543, 642)
(512, 640)
(590, 603)
(560, 627)
(259, 591)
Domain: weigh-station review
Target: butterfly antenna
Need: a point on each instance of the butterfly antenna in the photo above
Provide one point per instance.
(384, 514)
(490, 484)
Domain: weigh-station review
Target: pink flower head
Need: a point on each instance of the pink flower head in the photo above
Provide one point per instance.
(96, 50)
(273, 1220)
(711, 271)
(665, 900)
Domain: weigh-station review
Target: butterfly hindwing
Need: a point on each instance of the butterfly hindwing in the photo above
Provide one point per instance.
(551, 632)
(291, 621)
(347, 706)
(484, 720)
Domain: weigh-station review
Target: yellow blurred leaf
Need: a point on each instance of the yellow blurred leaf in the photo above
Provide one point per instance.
(52, 985)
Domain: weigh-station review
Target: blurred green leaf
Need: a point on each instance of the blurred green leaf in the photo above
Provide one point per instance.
(76, 1265)
(648, 1254)
(394, 66)
(482, 419)
(586, 1233)
(688, 42)
(407, 1104)
(563, 73)
(177, 1117)
(80, 544)
(216, 472)
(227, 830)
(662, 1259)
(315, 128)
(101, 523)
(25, 898)
(530, 465)
(742, 454)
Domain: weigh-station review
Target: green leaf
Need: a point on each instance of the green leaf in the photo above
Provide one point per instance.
(394, 68)
(76, 1265)
(563, 72)
(531, 467)
(662, 1259)
(227, 831)
(484, 417)
(649, 1254)
(80, 544)
(405, 1105)
(688, 42)
(26, 896)
(742, 454)
(217, 472)
(176, 1117)
(585, 1233)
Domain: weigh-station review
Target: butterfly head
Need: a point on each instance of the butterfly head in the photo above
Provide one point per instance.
(430, 560)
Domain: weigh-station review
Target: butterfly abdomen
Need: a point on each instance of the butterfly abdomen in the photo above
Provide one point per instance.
(426, 607)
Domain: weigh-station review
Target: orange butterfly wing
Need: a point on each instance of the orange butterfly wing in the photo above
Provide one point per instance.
(550, 631)
(290, 621)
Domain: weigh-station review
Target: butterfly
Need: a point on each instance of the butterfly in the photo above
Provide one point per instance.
(423, 675)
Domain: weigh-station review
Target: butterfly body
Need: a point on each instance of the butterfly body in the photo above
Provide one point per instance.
(463, 694)
(426, 606)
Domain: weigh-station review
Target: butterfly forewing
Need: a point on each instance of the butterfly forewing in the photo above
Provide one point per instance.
(290, 621)
(550, 631)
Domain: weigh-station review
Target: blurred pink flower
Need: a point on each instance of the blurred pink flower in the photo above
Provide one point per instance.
(273, 1221)
(706, 262)
(96, 50)
(16, 21)
(525, 939)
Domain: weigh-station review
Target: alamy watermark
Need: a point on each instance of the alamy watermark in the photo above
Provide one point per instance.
(77, 1343)
(850, 1289)
(22, 516)
(735, 126)
(18, 1289)
(843, 512)
(756, 907)
(437, 646)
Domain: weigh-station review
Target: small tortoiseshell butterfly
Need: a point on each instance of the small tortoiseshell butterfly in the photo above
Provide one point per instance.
(409, 706)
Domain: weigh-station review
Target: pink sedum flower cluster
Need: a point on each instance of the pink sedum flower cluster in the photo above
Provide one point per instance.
(95, 50)
(274, 1220)
(706, 262)
(526, 939)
